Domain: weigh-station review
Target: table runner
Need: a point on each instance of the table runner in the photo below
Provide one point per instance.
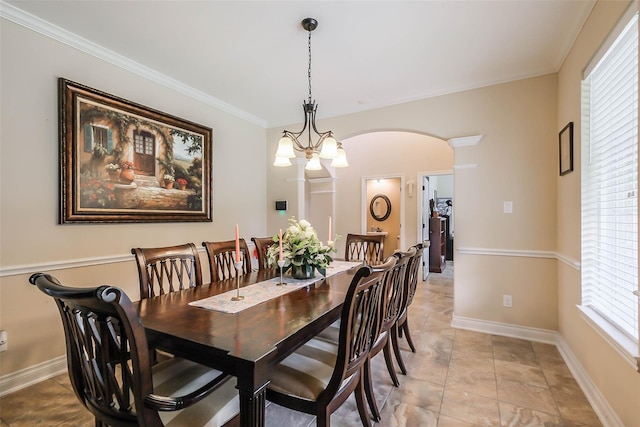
(265, 291)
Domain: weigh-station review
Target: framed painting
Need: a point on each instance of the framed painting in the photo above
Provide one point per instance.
(566, 149)
(124, 162)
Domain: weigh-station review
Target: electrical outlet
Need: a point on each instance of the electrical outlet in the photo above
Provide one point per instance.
(3, 340)
(507, 301)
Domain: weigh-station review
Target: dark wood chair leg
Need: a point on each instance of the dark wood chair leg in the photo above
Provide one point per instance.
(360, 398)
(389, 363)
(405, 327)
(323, 418)
(396, 349)
(368, 390)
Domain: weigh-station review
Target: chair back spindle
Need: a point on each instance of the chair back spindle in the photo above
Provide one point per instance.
(167, 269)
(368, 248)
(222, 256)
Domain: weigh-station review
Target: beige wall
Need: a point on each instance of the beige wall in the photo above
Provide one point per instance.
(613, 375)
(515, 161)
(29, 235)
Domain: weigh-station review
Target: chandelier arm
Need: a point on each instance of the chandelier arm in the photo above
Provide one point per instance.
(322, 135)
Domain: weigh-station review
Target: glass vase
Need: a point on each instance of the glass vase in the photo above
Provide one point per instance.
(303, 271)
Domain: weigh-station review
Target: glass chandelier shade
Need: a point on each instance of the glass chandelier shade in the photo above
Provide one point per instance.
(326, 146)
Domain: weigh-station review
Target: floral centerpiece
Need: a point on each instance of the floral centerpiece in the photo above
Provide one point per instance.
(302, 251)
(111, 167)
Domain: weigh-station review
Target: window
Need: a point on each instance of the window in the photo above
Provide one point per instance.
(97, 136)
(610, 187)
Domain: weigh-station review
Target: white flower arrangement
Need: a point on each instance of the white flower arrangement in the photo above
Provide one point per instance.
(300, 246)
(168, 177)
(112, 167)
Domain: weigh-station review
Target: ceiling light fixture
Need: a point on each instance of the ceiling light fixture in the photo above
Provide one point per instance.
(326, 147)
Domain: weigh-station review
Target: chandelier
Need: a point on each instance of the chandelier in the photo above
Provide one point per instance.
(326, 146)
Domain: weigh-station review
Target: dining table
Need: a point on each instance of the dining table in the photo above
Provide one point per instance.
(245, 344)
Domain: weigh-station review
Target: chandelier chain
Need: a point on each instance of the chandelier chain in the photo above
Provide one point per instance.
(309, 69)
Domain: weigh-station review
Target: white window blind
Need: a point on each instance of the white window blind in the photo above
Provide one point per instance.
(609, 183)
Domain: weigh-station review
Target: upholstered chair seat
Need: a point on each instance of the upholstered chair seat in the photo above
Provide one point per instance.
(179, 376)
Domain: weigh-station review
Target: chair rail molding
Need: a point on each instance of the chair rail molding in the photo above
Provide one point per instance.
(521, 253)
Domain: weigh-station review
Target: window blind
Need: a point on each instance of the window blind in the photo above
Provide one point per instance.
(609, 183)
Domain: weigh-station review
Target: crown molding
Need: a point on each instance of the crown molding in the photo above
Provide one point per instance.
(72, 40)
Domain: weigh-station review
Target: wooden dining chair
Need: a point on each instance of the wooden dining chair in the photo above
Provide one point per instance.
(368, 248)
(222, 256)
(167, 269)
(402, 325)
(111, 370)
(262, 246)
(318, 377)
(390, 307)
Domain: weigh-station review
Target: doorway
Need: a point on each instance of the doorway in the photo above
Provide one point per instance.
(437, 195)
(383, 210)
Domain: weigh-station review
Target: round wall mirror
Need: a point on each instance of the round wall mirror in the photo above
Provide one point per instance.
(380, 207)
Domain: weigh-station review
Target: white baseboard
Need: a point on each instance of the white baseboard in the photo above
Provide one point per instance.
(25, 377)
(607, 416)
(605, 413)
(505, 329)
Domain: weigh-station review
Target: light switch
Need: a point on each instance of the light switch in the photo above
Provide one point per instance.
(508, 207)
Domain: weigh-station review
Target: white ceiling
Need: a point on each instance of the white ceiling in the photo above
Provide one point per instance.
(252, 55)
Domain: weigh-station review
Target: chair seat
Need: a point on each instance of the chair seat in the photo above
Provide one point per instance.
(178, 377)
(331, 333)
(305, 373)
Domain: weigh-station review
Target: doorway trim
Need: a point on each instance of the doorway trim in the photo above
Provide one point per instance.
(364, 206)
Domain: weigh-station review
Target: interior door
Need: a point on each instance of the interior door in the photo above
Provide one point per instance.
(426, 213)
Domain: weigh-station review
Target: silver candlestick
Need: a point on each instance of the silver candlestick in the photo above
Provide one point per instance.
(281, 264)
(238, 297)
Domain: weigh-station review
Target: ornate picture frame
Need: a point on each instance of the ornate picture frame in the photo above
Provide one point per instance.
(566, 149)
(123, 162)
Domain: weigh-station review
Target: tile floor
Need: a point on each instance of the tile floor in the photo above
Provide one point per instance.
(456, 378)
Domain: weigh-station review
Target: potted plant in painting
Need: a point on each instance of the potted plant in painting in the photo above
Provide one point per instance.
(126, 175)
(168, 181)
(182, 183)
(114, 171)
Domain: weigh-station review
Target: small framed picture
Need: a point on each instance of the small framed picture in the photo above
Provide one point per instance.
(566, 149)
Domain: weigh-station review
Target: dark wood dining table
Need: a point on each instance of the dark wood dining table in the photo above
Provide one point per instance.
(245, 344)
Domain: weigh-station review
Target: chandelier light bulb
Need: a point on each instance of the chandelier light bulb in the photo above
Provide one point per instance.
(313, 164)
(341, 160)
(285, 148)
(282, 161)
(329, 148)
